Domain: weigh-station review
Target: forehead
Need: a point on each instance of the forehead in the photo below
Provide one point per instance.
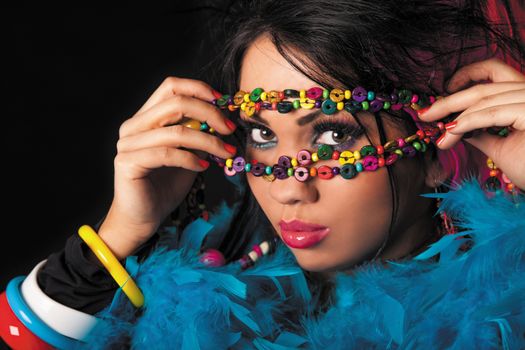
(263, 66)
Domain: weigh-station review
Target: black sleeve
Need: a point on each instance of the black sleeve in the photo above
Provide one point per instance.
(75, 277)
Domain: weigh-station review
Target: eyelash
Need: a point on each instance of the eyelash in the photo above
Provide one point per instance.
(320, 127)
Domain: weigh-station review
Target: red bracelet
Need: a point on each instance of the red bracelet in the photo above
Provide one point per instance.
(14, 333)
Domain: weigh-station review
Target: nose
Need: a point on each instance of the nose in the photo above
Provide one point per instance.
(290, 191)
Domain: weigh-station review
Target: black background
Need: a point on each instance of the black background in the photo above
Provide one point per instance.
(70, 78)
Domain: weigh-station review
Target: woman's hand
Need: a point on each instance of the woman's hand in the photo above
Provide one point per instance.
(498, 103)
(153, 173)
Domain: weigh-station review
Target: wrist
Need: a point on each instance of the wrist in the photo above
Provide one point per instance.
(118, 240)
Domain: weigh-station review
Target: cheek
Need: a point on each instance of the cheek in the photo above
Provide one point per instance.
(358, 214)
(261, 189)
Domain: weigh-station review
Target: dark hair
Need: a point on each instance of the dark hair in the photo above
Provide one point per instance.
(381, 45)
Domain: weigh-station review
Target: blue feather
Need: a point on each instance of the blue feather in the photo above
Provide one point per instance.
(443, 298)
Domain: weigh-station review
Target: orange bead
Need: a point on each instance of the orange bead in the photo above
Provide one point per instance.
(380, 149)
(381, 162)
(335, 155)
(325, 172)
(494, 173)
(313, 171)
(510, 186)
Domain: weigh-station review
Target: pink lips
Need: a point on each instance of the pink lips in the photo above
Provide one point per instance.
(298, 234)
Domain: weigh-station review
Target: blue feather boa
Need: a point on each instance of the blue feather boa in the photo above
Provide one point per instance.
(470, 299)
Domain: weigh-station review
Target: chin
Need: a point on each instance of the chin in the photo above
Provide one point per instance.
(314, 262)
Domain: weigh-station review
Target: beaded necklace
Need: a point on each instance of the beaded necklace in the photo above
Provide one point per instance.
(353, 162)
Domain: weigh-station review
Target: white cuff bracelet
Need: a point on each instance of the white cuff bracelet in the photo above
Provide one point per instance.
(63, 319)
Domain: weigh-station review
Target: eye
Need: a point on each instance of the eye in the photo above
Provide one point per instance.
(337, 133)
(257, 135)
(332, 137)
(261, 135)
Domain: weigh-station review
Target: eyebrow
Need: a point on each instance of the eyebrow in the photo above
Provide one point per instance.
(305, 119)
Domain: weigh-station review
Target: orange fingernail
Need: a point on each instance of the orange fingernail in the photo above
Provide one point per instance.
(422, 111)
(216, 93)
(204, 163)
(231, 125)
(230, 148)
(451, 125)
(441, 138)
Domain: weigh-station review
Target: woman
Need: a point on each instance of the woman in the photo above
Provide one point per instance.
(369, 276)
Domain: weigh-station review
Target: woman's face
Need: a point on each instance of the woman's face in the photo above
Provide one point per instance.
(356, 212)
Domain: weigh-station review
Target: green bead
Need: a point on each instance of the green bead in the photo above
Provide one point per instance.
(255, 96)
(399, 152)
(365, 105)
(289, 172)
(416, 145)
(329, 107)
(423, 146)
(370, 96)
(404, 96)
(368, 150)
(268, 170)
(352, 107)
(296, 104)
(359, 167)
(386, 105)
(291, 93)
(248, 167)
(284, 106)
(204, 126)
(223, 100)
(326, 94)
(348, 171)
(503, 132)
(325, 152)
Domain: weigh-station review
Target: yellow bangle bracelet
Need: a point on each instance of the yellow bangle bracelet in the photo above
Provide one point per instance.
(110, 262)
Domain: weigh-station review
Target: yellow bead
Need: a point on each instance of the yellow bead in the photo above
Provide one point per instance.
(307, 103)
(346, 157)
(273, 96)
(315, 157)
(491, 164)
(340, 106)
(337, 95)
(243, 106)
(302, 94)
(357, 155)
(415, 106)
(264, 96)
(247, 98)
(294, 162)
(229, 162)
(348, 94)
(269, 178)
(193, 124)
(239, 97)
(212, 130)
(250, 108)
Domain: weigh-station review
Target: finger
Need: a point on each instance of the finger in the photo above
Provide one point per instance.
(463, 99)
(172, 111)
(138, 164)
(504, 98)
(175, 136)
(174, 85)
(494, 70)
(486, 143)
(501, 115)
